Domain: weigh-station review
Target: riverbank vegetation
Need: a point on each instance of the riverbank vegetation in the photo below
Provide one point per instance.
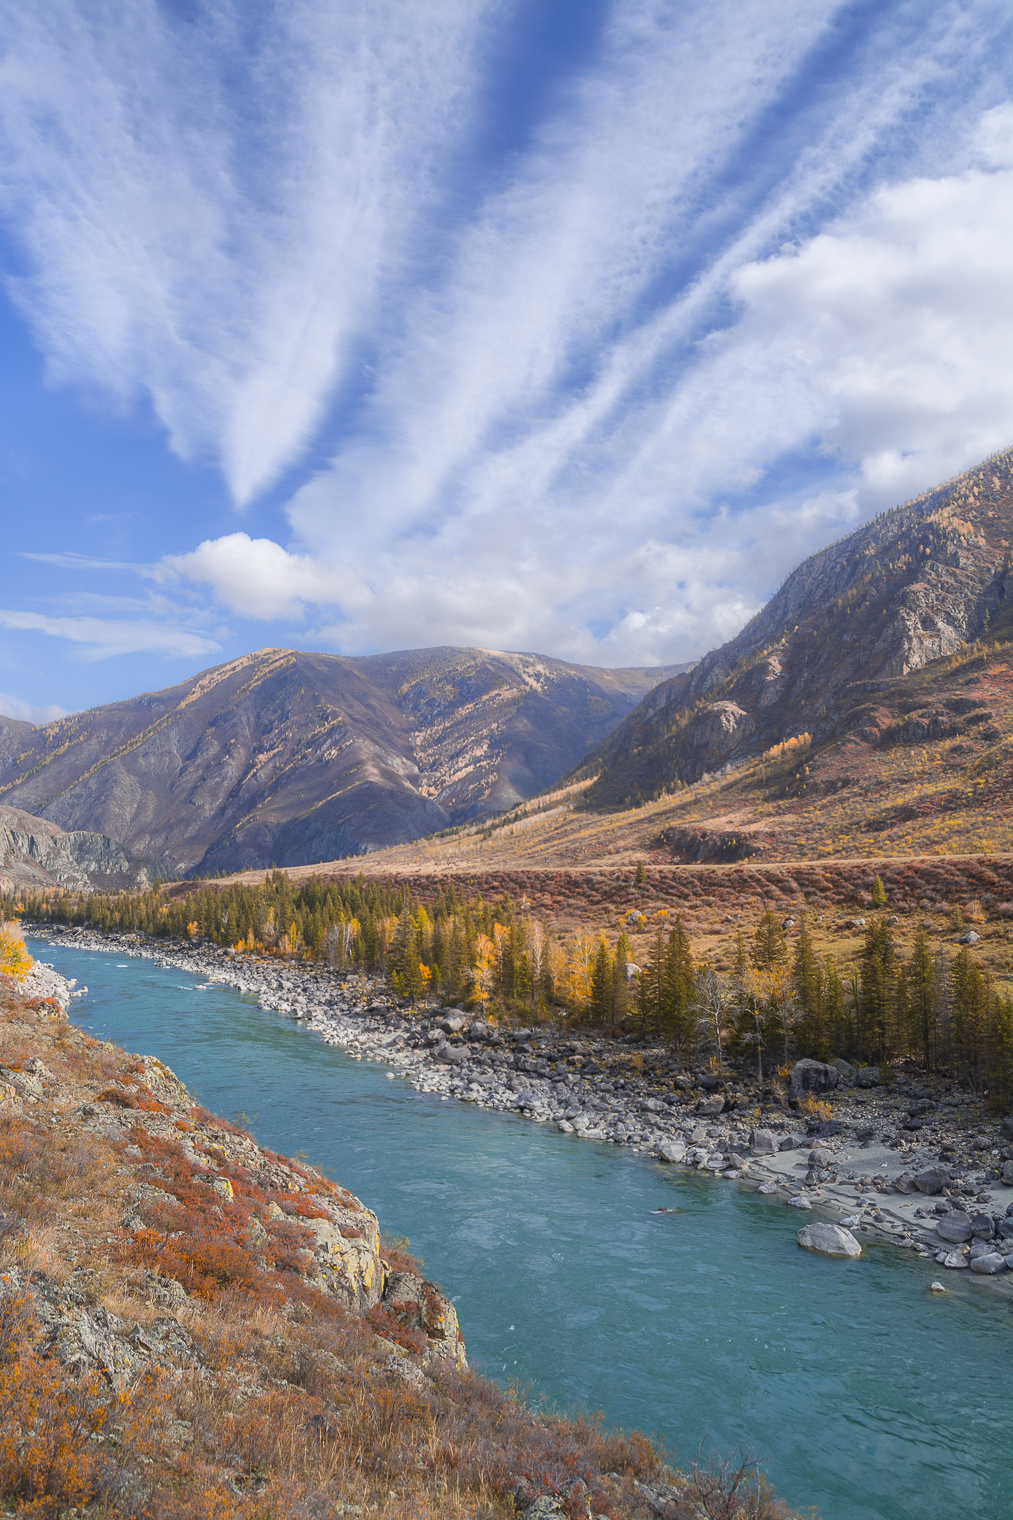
(780, 994)
(181, 1374)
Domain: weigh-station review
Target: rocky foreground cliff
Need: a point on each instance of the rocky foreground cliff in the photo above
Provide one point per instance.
(194, 1326)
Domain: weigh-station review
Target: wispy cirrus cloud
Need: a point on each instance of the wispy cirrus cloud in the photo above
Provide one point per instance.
(98, 638)
(210, 200)
(741, 283)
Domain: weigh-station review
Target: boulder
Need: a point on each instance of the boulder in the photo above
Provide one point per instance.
(867, 1076)
(989, 1264)
(1007, 1174)
(789, 1143)
(954, 1226)
(954, 1259)
(820, 1157)
(845, 1070)
(865, 1132)
(672, 1150)
(828, 1239)
(932, 1180)
(970, 938)
(813, 1077)
(708, 1107)
(453, 1023)
(801, 1202)
(1006, 1129)
(982, 1226)
(762, 1142)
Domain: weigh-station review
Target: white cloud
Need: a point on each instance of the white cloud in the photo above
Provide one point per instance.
(254, 576)
(14, 707)
(100, 637)
(744, 234)
(211, 206)
(493, 499)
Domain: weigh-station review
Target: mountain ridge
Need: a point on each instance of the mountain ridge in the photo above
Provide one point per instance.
(286, 756)
(913, 586)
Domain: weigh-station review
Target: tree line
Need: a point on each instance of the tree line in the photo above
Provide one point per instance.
(780, 1001)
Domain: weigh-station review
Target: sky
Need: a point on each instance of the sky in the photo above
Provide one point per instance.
(566, 327)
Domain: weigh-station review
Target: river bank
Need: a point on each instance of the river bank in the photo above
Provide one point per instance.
(193, 1324)
(937, 1184)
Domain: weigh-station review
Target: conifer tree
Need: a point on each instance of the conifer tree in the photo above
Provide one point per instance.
(922, 995)
(770, 944)
(601, 986)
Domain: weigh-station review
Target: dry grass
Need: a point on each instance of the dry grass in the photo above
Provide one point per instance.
(292, 1411)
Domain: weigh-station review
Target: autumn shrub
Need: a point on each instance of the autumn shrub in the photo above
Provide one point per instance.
(385, 1322)
(397, 1253)
(47, 1457)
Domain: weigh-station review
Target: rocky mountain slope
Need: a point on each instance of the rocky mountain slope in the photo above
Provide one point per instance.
(912, 587)
(287, 757)
(36, 854)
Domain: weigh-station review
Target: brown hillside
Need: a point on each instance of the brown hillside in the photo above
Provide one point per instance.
(285, 757)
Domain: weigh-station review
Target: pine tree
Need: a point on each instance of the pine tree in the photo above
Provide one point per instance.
(678, 991)
(770, 944)
(922, 995)
(601, 986)
(877, 988)
(808, 992)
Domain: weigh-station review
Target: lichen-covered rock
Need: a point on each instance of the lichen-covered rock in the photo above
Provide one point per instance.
(418, 1305)
(348, 1257)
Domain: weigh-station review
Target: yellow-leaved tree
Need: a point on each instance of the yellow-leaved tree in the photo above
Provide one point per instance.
(14, 958)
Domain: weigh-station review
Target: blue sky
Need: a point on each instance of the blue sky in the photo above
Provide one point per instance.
(567, 327)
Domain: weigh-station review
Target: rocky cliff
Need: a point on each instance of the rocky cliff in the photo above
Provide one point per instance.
(35, 854)
(284, 757)
(912, 587)
(193, 1326)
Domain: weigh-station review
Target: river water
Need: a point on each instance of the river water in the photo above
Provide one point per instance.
(868, 1396)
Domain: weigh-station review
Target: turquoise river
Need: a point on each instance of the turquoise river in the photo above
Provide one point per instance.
(867, 1396)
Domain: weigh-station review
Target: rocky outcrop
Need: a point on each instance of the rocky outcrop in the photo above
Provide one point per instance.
(914, 586)
(187, 1177)
(285, 757)
(36, 854)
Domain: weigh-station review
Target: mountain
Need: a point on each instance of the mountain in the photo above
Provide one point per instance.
(287, 757)
(849, 625)
(865, 714)
(35, 854)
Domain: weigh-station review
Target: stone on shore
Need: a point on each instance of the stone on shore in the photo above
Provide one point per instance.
(828, 1239)
(813, 1077)
(801, 1202)
(990, 1263)
(762, 1142)
(954, 1227)
(932, 1180)
(672, 1150)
